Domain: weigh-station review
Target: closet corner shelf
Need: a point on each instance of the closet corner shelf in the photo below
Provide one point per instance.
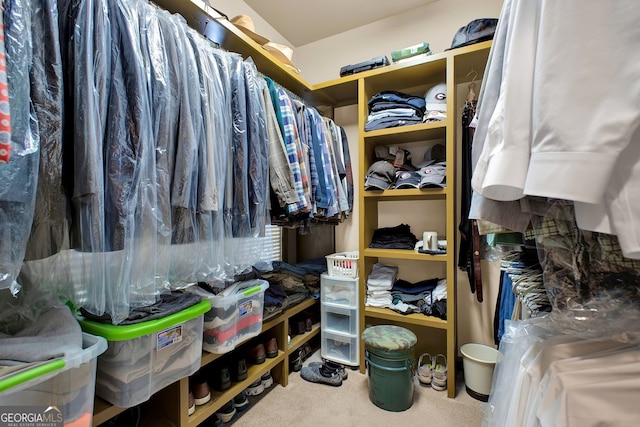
(398, 318)
(402, 254)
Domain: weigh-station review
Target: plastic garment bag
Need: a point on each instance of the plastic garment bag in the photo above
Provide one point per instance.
(211, 261)
(184, 190)
(50, 230)
(19, 177)
(130, 196)
(160, 58)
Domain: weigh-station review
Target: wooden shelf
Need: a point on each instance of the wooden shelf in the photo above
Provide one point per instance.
(403, 254)
(406, 134)
(398, 318)
(299, 340)
(407, 194)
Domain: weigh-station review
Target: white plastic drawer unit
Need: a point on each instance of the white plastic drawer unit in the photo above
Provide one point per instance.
(341, 292)
(340, 348)
(339, 319)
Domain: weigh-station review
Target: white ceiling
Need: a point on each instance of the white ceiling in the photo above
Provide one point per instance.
(305, 21)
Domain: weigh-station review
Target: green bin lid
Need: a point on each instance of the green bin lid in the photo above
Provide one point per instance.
(127, 332)
(389, 338)
(39, 369)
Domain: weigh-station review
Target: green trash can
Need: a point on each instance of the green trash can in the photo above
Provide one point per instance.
(389, 356)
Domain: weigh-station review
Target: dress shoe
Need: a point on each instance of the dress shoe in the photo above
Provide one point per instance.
(240, 370)
(222, 378)
(271, 347)
(257, 354)
(200, 389)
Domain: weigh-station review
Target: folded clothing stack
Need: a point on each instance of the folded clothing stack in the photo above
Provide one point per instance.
(392, 108)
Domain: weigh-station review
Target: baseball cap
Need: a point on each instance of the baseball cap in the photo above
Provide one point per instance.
(433, 175)
(475, 31)
(434, 154)
(408, 179)
(436, 98)
(380, 176)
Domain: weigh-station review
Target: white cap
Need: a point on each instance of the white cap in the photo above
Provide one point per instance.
(436, 98)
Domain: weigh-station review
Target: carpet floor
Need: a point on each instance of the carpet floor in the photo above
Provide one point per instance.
(303, 403)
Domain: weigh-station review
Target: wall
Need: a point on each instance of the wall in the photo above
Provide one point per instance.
(435, 23)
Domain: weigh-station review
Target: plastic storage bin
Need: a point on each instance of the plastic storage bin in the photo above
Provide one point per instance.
(235, 316)
(343, 264)
(144, 358)
(67, 385)
(339, 291)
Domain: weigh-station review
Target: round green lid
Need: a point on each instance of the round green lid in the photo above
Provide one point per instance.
(389, 337)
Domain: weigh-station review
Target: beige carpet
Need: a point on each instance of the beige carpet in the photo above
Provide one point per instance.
(302, 404)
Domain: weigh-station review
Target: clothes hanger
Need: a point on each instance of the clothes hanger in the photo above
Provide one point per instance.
(473, 73)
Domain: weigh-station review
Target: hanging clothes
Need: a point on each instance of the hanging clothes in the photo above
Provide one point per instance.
(468, 233)
(5, 113)
(50, 229)
(19, 177)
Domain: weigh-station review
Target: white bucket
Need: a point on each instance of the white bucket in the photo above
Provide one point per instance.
(478, 361)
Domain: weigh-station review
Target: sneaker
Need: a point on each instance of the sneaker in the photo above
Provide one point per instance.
(227, 412)
(439, 379)
(425, 368)
(255, 388)
(192, 404)
(240, 402)
(267, 380)
(271, 347)
(200, 389)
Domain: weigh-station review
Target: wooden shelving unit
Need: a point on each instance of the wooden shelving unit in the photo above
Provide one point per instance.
(172, 401)
(414, 78)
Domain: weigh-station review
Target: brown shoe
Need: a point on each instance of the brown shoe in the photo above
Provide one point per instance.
(257, 354)
(271, 347)
(200, 389)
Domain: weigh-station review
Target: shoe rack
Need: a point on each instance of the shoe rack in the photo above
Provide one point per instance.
(170, 405)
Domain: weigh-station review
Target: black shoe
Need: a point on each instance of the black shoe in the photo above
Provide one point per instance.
(222, 378)
(227, 412)
(240, 402)
(296, 360)
(240, 371)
